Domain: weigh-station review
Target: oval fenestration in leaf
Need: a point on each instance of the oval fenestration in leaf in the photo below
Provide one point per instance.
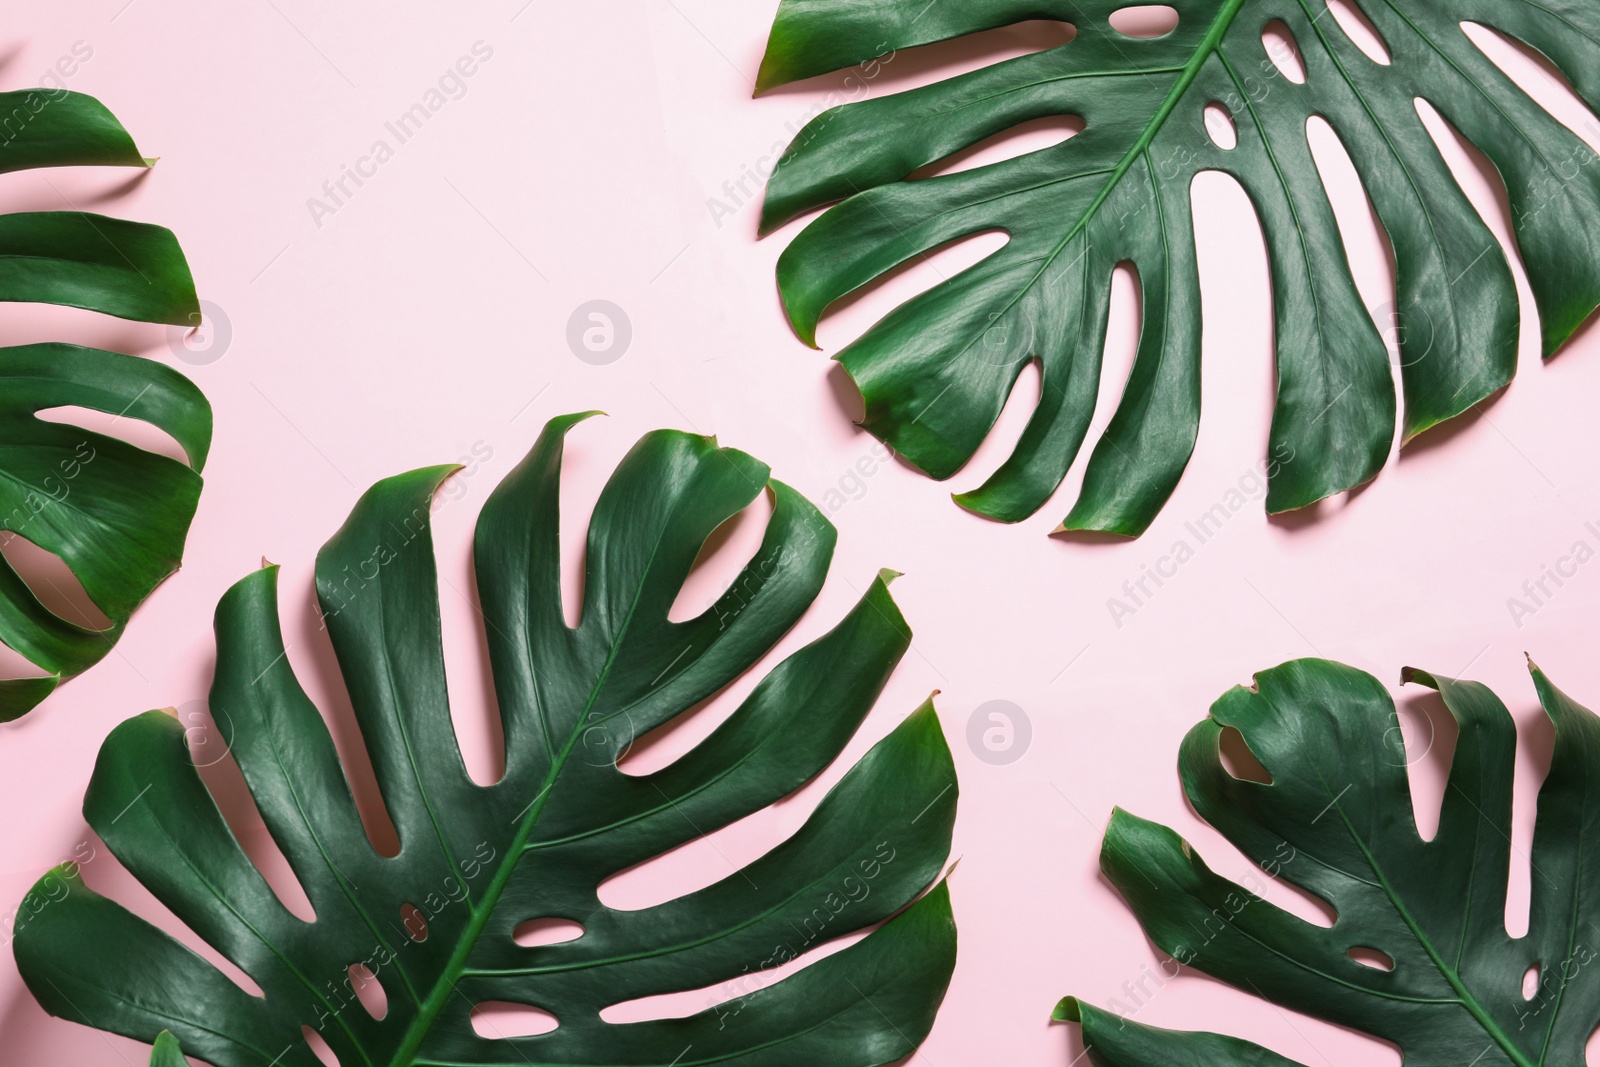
(115, 514)
(1336, 820)
(477, 862)
(936, 372)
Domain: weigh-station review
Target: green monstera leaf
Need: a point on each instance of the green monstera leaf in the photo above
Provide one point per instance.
(1336, 820)
(936, 372)
(436, 924)
(117, 515)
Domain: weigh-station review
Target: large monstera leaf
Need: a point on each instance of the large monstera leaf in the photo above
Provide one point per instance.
(476, 862)
(936, 372)
(1336, 820)
(117, 515)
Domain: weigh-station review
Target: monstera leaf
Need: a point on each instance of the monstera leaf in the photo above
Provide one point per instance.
(936, 372)
(436, 925)
(1447, 982)
(117, 515)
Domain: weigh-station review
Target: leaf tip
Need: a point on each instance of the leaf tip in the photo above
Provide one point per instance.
(887, 576)
(1417, 676)
(1067, 1011)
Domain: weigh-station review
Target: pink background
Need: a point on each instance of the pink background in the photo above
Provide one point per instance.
(428, 314)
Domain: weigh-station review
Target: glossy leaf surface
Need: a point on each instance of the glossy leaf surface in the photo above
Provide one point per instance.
(436, 924)
(936, 372)
(1336, 820)
(117, 515)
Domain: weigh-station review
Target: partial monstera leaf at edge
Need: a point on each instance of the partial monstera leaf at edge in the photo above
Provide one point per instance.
(116, 514)
(436, 924)
(936, 372)
(1336, 820)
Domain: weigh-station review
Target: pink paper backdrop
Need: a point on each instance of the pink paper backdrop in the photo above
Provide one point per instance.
(611, 151)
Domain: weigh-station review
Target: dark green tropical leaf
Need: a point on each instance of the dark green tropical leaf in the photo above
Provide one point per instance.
(478, 861)
(1336, 820)
(115, 514)
(1114, 1041)
(936, 372)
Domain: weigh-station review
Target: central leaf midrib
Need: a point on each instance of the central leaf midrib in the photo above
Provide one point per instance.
(1468, 1001)
(1203, 51)
(422, 1025)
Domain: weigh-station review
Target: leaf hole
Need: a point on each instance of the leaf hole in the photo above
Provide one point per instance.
(1366, 244)
(500, 1019)
(664, 745)
(47, 575)
(1124, 324)
(1428, 732)
(1294, 899)
(585, 465)
(855, 312)
(1239, 761)
(1477, 176)
(1535, 751)
(1219, 125)
(721, 564)
(14, 664)
(319, 1047)
(324, 683)
(919, 65)
(730, 997)
(537, 932)
(474, 703)
(125, 428)
(1536, 75)
(416, 923)
(1371, 957)
(1530, 981)
(1035, 135)
(1145, 21)
(1229, 244)
(1284, 51)
(1362, 33)
(138, 899)
(208, 732)
(688, 867)
(1021, 401)
(368, 990)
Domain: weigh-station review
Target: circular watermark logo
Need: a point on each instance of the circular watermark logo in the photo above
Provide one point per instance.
(1008, 340)
(607, 742)
(206, 340)
(599, 332)
(208, 735)
(999, 732)
(1409, 337)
